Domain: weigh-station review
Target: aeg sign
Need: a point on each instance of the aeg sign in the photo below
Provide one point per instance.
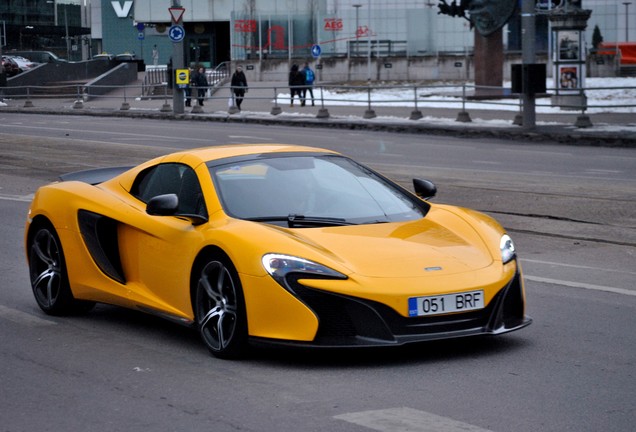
(333, 24)
(122, 11)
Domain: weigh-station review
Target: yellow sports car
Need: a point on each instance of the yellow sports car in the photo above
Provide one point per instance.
(272, 244)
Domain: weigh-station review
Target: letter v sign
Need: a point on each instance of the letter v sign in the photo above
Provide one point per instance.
(122, 12)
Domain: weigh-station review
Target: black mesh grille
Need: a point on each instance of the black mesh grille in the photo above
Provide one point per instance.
(345, 320)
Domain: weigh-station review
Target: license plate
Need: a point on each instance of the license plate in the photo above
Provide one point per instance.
(448, 303)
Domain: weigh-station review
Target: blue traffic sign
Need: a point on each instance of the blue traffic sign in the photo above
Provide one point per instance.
(176, 33)
(315, 51)
(141, 35)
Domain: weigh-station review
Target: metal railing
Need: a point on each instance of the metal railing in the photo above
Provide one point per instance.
(369, 98)
(158, 76)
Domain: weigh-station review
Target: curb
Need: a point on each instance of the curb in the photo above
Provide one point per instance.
(561, 134)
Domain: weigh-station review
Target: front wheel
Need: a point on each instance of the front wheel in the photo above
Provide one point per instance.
(49, 279)
(220, 307)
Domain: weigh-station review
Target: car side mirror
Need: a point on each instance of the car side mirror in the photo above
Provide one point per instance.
(424, 189)
(163, 205)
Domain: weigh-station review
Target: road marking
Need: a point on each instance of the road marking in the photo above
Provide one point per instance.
(603, 171)
(22, 317)
(552, 263)
(581, 285)
(22, 198)
(487, 162)
(249, 137)
(407, 419)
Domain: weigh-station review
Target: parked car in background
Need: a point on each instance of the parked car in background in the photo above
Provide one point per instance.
(103, 56)
(126, 57)
(37, 56)
(131, 58)
(10, 66)
(23, 63)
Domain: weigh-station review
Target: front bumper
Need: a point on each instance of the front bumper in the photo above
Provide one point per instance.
(346, 321)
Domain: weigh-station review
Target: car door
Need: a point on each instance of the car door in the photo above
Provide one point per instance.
(158, 254)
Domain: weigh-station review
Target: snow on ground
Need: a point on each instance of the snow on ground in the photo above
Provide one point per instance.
(603, 95)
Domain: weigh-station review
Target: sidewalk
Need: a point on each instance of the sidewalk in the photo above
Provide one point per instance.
(608, 129)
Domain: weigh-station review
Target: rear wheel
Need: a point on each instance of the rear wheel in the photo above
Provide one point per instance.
(220, 307)
(49, 279)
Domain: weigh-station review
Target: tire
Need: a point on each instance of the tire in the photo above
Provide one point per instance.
(49, 279)
(220, 307)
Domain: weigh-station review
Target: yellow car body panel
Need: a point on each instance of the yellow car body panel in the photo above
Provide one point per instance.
(275, 313)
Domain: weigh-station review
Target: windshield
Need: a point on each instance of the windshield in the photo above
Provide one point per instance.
(311, 191)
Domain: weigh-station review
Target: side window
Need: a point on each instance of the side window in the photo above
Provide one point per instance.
(171, 178)
(158, 180)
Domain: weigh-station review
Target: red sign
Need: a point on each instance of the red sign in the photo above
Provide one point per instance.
(362, 31)
(245, 26)
(333, 24)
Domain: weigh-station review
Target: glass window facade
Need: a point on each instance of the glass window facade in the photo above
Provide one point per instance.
(45, 25)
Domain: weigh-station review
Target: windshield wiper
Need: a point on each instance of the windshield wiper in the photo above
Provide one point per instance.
(295, 220)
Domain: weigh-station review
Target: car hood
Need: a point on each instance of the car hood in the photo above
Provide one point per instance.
(441, 243)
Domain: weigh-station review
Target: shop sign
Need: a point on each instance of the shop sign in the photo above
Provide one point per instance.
(245, 26)
(333, 24)
(122, 11)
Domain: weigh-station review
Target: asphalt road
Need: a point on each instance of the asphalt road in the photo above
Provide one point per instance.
(571, 211)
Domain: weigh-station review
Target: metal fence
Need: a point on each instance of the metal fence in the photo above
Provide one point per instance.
(362, 99)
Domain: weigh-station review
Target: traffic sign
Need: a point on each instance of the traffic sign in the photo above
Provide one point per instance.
(182, 78)
(176, 33)
(141, 35)
(315, 51)
(176, 12)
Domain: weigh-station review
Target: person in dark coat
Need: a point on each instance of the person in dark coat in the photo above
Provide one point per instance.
(239, 86)
(200, 81)
(296, 84)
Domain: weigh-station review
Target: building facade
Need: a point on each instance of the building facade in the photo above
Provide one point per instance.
(222, 30)
(61, 27)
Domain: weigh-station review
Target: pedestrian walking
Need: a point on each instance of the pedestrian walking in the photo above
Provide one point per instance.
(310, 77)
(200, 81)
(296, 84)
(239, 86)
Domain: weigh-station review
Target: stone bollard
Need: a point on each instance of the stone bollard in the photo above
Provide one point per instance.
(463, 117)
(369, 114)
(583, 121)
(323, 113)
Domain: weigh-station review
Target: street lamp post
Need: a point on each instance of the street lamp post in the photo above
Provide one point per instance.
(357, 6)
(627, 20)
(528, 58)
(369, 42)
(68, 41)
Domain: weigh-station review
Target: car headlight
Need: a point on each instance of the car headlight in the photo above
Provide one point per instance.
(279, 266)
(507, 247)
